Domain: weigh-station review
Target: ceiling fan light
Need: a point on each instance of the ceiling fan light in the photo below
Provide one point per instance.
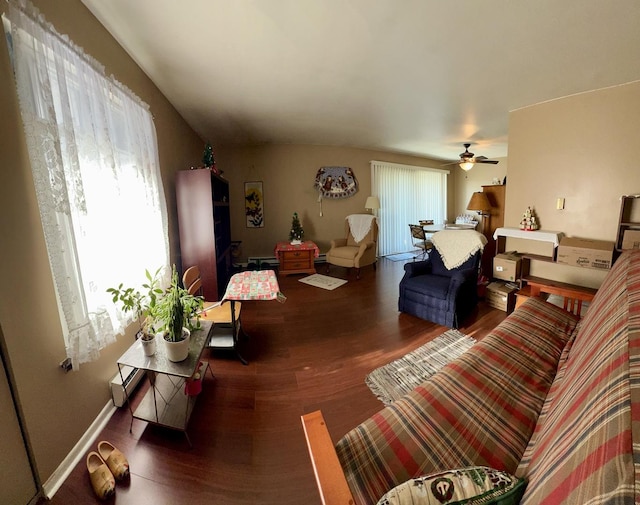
(466, 165)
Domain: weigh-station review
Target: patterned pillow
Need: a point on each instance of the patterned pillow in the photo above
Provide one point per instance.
(477, 485)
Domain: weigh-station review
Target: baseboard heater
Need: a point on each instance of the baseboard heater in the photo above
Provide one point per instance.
(122, 386)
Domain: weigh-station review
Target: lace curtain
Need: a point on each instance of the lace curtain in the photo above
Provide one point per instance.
(407, 195)
(93, 153)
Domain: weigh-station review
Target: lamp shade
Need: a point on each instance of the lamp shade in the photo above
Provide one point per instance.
(372, 203)
(466, 166)
(479, 202)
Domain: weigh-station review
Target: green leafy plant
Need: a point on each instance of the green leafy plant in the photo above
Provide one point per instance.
(176, 309)
(141, 302)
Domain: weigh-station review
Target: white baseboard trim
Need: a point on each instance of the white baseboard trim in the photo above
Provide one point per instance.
(78, 452)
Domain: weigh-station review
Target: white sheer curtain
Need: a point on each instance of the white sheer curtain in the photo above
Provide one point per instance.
(93, 153)
(407, 194)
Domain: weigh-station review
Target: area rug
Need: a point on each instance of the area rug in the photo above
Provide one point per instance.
(323, 281)
(394, 380)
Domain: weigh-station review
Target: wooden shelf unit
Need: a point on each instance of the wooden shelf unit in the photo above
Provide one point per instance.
(629, 217)
(204, 221)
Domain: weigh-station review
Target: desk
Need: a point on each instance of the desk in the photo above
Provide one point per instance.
(244, 286)
(166, 403)
(296, 259)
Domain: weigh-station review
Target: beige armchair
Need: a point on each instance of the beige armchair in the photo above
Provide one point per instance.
(349, 252)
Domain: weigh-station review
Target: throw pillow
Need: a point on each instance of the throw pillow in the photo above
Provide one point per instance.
(477, 485)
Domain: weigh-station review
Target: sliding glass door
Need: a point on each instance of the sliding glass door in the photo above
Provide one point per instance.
(407, 195)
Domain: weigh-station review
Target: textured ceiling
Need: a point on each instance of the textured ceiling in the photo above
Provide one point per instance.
(413, 76)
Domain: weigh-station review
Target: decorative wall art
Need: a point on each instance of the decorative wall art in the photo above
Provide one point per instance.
(254, 204)
(336, 182)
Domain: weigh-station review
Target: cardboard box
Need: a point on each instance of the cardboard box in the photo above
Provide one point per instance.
(500, 296)
(506, 266)
(582, 252)
(631, 239)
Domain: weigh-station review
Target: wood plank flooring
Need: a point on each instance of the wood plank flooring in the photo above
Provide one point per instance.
(311, 352)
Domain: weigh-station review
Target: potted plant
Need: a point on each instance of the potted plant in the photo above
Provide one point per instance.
(177, 313)
(143, 303)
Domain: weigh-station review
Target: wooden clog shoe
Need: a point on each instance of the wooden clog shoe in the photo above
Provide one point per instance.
(115, 460)
(102, 481)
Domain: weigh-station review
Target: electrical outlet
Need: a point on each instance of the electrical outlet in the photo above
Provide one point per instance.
(66, 364)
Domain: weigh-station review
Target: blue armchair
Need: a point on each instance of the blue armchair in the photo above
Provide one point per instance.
(430, 291)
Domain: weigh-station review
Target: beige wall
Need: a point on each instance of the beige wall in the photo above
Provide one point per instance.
(582, 148)
(288, 174)
(59, 407)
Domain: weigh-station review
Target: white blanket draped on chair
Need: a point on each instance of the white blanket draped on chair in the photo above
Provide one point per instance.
(360, 225)
(457, 246)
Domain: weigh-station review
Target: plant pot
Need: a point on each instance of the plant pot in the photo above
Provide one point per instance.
(178, 351)
(296, 242)
(148, 344)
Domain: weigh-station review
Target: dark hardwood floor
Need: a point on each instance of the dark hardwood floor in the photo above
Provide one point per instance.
(312, 352)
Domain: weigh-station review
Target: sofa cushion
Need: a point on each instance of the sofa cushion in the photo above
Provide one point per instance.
(583, 448)
(478, 485)
(478, 410)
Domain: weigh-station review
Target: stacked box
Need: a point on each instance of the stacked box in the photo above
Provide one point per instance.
(582, 252)
(631, 239)
(500, 296)
(506, 266)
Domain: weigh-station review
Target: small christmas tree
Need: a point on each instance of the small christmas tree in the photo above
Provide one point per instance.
(296, 233)
(207, 157)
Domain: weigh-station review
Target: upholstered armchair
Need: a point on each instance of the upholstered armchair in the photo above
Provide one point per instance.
(429, 290)
(359, 246)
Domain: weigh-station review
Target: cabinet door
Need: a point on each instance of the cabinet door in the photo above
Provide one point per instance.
(17, 484)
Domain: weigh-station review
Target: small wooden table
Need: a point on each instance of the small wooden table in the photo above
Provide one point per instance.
(297, 259)
(573, 296)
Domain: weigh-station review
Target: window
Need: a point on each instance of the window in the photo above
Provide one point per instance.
(407, 195)
(93, 153)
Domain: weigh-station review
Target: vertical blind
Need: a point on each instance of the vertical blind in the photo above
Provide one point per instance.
(407, 195)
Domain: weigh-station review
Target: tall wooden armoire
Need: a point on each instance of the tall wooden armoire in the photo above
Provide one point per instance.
(495, 219)
(204, 222)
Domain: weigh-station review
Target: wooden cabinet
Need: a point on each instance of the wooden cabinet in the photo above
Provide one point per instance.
(204, 222)
(296, 259)
(495, 219)
(629, 221)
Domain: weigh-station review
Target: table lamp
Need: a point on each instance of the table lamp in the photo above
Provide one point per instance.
(480, 203)
(372, 203)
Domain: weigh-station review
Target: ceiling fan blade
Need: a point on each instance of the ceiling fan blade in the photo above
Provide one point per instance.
(493, 162)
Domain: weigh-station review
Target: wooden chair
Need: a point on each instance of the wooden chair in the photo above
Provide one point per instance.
(219, 313)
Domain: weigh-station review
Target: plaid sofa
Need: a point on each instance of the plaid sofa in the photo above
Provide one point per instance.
(544, 396)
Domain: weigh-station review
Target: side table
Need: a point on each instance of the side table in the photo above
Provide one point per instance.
(167, 403)
(244, 286)
(296, 259)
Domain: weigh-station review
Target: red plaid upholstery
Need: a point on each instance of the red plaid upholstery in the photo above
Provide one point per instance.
(583, 447)
(479, 410)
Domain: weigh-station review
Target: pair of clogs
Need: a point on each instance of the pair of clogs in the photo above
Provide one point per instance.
(105, 467)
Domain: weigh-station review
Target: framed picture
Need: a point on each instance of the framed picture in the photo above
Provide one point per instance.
(254, 204)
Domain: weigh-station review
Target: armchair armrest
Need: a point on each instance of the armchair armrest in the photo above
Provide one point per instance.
(415, 268)
(338, 242)
(330, 478)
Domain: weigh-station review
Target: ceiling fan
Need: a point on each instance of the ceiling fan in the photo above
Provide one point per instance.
(468, 159)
